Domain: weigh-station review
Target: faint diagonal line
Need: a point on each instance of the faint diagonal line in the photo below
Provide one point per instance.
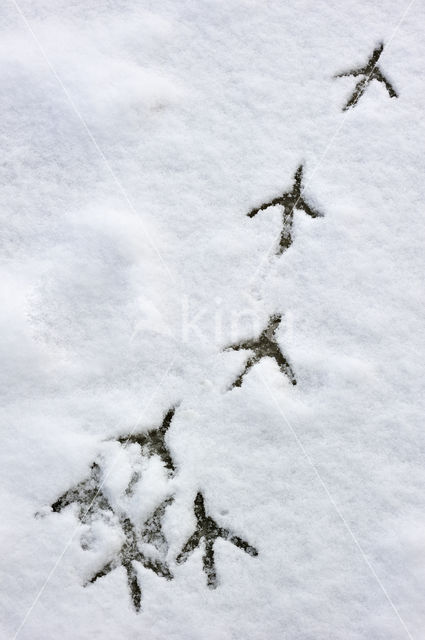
(337, 509)
(68, 543)
(131, 206)
(91, 136)
(328, 147)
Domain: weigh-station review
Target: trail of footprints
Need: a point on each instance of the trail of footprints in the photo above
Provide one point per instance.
(89, 495)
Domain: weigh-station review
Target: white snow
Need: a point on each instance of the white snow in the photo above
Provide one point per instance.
(135, 138)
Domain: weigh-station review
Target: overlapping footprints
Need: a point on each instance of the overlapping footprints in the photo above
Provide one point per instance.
(130, 553)
(265, 346)
(208, 530)
(290, 201)
(93, 501)
(370, 71)
(89, 494)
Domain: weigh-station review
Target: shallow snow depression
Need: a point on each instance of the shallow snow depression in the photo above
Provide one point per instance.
(212, 287)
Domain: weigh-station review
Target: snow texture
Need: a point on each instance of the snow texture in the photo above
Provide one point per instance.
(135, 138)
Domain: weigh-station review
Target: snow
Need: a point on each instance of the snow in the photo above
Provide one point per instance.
(135, 139)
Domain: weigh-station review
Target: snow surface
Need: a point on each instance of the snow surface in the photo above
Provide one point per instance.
(135, 137)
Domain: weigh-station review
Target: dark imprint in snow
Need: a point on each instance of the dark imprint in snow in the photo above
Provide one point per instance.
(153, 442)
(265, 346)
(89, 496)
(290, 200)
(130, 553)
(369, 72)
(152, 530)
(208, 529)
